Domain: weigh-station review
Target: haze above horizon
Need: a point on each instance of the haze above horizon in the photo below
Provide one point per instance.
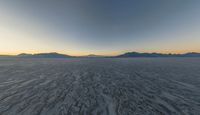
(106, 27)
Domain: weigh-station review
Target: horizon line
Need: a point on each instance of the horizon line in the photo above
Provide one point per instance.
(97, 54)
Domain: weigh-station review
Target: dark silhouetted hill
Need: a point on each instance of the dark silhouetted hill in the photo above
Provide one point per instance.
(137, 54)
(192, 54)
(44, 55)
(92, 56)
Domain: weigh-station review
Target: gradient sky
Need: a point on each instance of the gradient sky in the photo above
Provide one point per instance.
(103, 27)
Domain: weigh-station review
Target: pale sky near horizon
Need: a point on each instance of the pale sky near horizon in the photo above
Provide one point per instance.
(102, 27)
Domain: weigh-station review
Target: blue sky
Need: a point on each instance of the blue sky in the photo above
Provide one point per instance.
(103, 27)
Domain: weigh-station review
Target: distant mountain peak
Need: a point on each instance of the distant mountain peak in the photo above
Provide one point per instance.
(93, 55)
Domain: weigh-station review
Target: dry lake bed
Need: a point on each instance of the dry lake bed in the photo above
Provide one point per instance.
(100, 86)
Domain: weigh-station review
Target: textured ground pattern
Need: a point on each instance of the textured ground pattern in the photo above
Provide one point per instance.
(100, 86)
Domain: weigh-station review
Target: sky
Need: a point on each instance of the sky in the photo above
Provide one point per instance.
(101, 27)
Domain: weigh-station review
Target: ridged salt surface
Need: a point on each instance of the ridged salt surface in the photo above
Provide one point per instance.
(100, 86)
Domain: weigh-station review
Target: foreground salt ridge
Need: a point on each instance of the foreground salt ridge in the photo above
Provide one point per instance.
(100, 86)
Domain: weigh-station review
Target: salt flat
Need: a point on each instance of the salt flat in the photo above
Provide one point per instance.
(100, 86)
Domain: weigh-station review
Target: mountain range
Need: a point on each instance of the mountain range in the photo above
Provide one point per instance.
(125, 55)
(137, 54)
(44, 55)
